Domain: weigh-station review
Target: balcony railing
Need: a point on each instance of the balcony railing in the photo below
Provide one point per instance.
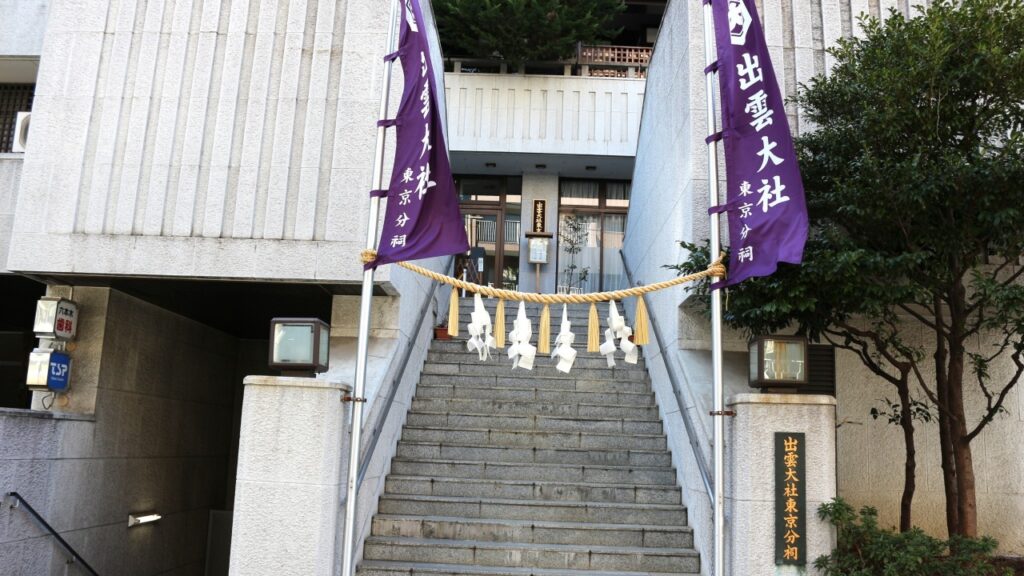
(615, 55)
(596, 61)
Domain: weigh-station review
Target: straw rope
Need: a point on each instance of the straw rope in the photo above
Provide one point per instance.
(715, 270)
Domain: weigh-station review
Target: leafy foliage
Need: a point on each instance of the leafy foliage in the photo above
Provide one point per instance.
(892, 411)
(519, 31)
(864, 549)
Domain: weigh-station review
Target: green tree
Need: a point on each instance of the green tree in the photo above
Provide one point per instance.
(519, 31)
(914, 186)
(572, 238)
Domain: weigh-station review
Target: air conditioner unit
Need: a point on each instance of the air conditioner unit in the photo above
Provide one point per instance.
(21, 132)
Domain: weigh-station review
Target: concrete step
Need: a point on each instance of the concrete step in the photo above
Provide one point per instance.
(470, 364)
(529, 531)
(531, 408)
(534, 438)
(550, 556)
(388, 568)
(486, 453)
(524, 379)
(539, 510)
(458, 344)
(558, 472)
(466, 357)
(515, 472)
(440, 419)
(532, 490)
(520, 394)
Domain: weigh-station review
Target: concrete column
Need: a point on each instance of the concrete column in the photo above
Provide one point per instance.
(292, 454)
(539, 187)
(750, 478)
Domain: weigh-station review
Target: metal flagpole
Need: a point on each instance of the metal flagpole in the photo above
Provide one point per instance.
(348, 550)
(718, 414)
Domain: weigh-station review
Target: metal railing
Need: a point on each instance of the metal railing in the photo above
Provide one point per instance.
(487, 230)
(75, 556)
(382, 415)
(677, 391)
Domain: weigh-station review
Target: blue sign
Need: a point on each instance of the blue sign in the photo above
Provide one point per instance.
(59, 375)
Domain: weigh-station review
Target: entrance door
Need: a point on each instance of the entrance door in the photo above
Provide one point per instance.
(483, 263)
(491, 209)
(493, 258)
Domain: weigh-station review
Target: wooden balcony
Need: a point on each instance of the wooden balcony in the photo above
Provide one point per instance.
(591, 61)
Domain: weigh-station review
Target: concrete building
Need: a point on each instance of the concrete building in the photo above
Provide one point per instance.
(195, 168)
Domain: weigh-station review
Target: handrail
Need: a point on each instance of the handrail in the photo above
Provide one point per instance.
(382, 416)
(691, 432)
(75, 557)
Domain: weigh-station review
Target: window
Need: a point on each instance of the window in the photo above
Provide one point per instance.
(14, 98)
(591, 229)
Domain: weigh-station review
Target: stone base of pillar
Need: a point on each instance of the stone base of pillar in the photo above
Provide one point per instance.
(751, 485)
(292, 461)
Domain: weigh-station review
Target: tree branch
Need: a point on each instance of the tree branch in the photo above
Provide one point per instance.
(918, 316)
(995, 408)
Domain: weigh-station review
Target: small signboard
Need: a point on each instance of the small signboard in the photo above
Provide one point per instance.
(539, 250)
(49, 369)
(56, 318)
(60, 372)
(790, 499)
(539, 213)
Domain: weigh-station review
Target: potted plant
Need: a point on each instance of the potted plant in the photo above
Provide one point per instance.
(441, 332)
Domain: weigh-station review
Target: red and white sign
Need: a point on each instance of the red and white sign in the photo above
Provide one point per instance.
(56, 318)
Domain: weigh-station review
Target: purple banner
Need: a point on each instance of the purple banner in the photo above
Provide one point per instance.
(765, 196)
(422, 218)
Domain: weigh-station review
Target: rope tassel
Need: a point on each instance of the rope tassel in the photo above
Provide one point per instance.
(544, 337)
(640, 337)
(453, 313)
(593, 330)
(499, 325)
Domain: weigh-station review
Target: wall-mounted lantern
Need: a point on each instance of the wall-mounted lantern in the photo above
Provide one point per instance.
(137, 519)
(299, 346)
(778, 362)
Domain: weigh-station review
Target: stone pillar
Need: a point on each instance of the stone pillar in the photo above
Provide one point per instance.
(539, 187)
(750, 478)
(292, 461)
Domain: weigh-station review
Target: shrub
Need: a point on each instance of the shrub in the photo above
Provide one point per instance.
(865, 549)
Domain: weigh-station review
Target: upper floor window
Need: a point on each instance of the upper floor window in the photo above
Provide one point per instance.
(14, 98)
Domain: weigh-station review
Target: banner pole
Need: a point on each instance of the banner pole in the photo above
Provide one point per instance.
(366, 301)
(718, 414)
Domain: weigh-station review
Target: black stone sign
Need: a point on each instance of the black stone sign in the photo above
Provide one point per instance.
(790, 499)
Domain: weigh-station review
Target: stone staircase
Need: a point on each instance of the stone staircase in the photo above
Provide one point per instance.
(502, 472)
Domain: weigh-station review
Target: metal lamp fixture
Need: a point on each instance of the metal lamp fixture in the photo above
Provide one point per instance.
(299, 346)
(778, 362)
(136, 519)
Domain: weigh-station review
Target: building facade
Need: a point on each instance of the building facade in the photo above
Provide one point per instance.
(672, 155)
